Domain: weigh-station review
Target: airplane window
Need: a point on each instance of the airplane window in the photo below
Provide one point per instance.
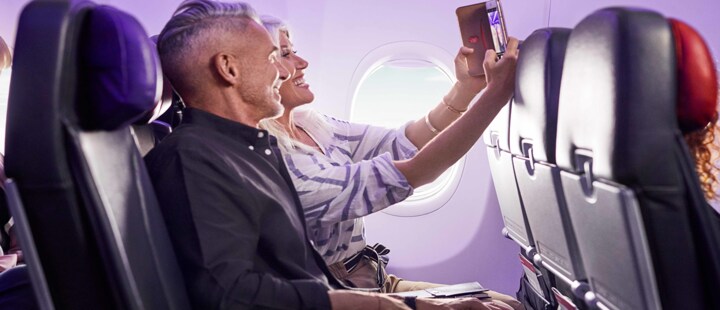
(4, 91)
(405, 88)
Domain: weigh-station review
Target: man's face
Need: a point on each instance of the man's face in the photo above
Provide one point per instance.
(261, 73)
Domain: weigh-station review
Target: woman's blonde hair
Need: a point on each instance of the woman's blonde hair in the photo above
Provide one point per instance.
(311, 120)
(275, 27)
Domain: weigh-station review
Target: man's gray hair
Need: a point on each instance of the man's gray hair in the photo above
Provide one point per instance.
(194, 27)
(194, 16)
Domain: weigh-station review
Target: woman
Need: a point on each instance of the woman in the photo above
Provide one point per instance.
(344, 171)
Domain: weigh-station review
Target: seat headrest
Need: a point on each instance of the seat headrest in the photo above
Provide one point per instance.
(697, 79)
(618, 92)
(5, 55)
(165, 98)
(537, 87)
(121, 79)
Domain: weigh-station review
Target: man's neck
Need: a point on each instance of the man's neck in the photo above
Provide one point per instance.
(234, 109)
(242, 116)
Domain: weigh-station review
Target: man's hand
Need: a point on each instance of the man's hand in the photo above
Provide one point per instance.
(460, 303)
(353, 300)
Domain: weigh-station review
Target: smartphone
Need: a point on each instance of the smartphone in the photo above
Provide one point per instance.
(482, 27)
(497, 26)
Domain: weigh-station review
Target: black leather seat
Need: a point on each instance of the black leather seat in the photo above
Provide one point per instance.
(640, 221)
(5, 62)
(149, 130)
(496, 139)
(532, 145)
(158, 123)
(82, 74)
(535, 284)
(148, 135)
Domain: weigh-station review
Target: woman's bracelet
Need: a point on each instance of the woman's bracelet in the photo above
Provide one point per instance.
(430, 126)
(451, 108)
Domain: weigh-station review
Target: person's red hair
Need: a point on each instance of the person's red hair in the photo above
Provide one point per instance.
(704, 148)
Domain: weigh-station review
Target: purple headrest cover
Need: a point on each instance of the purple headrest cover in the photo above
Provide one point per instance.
(120, 70)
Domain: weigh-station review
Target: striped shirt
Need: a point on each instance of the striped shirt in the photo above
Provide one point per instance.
(352, 177)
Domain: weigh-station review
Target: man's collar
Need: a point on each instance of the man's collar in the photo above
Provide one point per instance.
(251, 135)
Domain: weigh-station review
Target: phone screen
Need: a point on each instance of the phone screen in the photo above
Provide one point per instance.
(496, 28)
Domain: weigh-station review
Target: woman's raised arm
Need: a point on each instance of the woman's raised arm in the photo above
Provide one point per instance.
(452, 105)
(456, 140)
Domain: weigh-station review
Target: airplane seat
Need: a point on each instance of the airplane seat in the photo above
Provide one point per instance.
(532, 145)
(147, 136)
(173, 115)
(150, 130)
(632, 194)
(496, 139)
(4, 209)
(82, 75)
(5, 62)
(697, 89)
(4, 218)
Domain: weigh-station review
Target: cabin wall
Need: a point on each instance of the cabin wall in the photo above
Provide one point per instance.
(461, 241)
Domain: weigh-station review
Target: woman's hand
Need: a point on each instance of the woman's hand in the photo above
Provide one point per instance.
(468, 84)
(453, 142)
(500, 74)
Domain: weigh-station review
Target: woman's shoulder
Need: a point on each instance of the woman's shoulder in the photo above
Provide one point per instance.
(318, 122)
(310, 115)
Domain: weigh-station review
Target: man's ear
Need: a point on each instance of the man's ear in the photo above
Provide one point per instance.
(227, 68)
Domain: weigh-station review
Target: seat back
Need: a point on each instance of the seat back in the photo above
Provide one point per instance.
(503, 141)
(82, 75)
(148, 135)
(532, 144)
(149, 130)
(626, 180)
(496, 139)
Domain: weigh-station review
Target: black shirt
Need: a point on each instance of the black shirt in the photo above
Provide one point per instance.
(234, 217)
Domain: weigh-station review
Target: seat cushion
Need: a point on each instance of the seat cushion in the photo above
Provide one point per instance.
(697, 79)
(118, 69)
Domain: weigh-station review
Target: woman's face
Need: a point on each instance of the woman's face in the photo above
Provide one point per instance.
(294, 91)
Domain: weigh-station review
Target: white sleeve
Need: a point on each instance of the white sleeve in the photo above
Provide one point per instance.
(366, 141)
(331, 193)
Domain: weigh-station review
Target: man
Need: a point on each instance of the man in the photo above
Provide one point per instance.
(233, 214)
